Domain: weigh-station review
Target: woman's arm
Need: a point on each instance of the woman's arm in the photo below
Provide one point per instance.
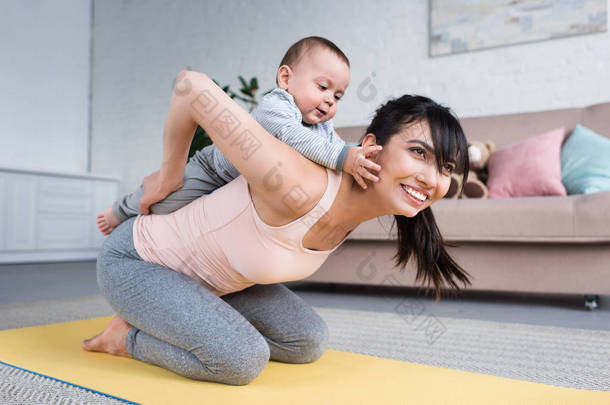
(178, 133)
(273, 169)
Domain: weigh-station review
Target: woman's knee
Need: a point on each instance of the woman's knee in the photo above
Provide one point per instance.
(113, 274)
(245, 368)
(314, 342)
(118, 249)
(103, 268)
(235, 365)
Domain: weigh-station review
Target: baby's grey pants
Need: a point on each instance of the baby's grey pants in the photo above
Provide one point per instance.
(200, 178)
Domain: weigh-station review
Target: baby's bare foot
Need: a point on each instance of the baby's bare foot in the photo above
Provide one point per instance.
(107, 221)
(111, 340)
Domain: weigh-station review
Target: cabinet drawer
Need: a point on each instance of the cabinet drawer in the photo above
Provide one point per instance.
(57, 195)
(3, 213)
(65, 231)
(20, 211)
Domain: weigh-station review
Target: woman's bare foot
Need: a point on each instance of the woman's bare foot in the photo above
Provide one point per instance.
(107, 221)
(111, 340)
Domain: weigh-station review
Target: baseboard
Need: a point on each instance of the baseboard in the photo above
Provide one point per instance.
(54, 256)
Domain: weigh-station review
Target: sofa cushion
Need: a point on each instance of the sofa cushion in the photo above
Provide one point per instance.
(530, 167)
(595, 117)
(592, 216)
(510, 128)
(585, 162)
(507, 219)
(575, 218)
(526, 219)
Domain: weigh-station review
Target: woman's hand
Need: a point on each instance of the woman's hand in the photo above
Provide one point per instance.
(156, 188)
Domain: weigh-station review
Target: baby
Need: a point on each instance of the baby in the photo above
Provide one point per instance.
(311, 79)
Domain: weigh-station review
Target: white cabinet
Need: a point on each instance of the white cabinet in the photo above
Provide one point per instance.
(3, 212)
(64, 213)
(20, 199)
(63, 231)
(51, 216)
(64, 195)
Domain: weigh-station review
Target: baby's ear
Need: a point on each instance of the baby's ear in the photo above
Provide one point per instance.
(283, 76)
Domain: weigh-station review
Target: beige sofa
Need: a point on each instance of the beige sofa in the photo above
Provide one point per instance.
(529, 244)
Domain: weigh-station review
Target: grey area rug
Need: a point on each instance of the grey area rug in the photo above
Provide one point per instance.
(22, 387)
(566, 357)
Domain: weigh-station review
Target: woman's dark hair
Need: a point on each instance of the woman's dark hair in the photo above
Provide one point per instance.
(419, 236)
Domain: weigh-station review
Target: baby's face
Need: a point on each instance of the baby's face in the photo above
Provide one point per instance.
(317, 83)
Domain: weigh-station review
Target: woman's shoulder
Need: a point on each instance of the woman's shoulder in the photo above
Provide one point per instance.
(301, 194)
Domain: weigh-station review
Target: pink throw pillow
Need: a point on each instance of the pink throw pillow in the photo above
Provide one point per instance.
(531, 167)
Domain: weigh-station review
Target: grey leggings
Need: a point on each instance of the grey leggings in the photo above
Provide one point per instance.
(182, 326)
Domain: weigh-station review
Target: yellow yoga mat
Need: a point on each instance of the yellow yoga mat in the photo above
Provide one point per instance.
(336, 378)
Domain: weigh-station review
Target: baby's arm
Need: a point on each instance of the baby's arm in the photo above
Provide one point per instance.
(285, 126)
(280, 117)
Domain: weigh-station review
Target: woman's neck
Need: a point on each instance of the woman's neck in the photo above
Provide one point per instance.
(354, 205)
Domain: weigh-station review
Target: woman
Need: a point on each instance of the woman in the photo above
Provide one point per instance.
(222, 314)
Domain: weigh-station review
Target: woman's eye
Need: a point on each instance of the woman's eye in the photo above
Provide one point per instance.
(417, 150)
(449, 168)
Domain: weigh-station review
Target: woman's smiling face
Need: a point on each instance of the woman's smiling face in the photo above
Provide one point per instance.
(409, 179)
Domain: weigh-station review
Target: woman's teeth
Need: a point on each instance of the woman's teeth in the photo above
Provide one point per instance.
(416, 194)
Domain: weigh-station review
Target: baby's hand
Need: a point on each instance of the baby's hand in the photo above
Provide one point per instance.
(357, 162)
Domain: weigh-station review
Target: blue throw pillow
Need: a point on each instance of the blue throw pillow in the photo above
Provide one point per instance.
(585, 162)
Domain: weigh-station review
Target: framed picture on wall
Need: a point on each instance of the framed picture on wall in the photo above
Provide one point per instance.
(458, 26)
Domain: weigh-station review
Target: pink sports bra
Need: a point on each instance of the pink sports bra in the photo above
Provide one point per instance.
(220, 241)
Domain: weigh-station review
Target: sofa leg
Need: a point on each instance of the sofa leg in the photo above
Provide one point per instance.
(591, 302)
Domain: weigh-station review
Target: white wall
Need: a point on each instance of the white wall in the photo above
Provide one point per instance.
(140, 46)
(44, 84)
